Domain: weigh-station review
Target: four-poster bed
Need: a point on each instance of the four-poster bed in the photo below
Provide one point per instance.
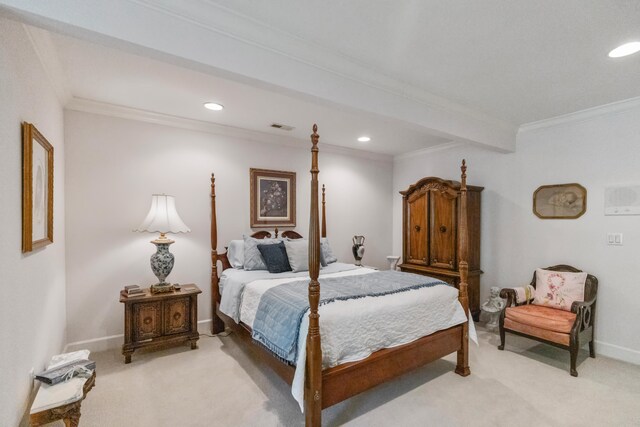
(328, 386)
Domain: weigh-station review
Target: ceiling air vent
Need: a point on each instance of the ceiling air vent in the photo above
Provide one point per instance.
(283, 127)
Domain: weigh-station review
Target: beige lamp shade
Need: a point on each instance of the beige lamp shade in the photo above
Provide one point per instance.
(163, 216)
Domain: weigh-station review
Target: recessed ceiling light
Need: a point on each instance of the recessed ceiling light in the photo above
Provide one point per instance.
(364, 139)
(213, 106)
(625, 49)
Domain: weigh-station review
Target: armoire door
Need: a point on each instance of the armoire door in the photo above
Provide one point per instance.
(417, 233)
(442, 247)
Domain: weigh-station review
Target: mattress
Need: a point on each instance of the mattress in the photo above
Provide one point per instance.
(352, 330)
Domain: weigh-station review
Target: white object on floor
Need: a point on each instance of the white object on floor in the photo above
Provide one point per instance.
(492, 308)
(393, 261)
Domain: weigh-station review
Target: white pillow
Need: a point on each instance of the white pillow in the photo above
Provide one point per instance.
(252, 257)
(326, 251)
(559, 289)
(235, 253)
(298, 254)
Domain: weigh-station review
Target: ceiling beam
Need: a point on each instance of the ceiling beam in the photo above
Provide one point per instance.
(204, 36)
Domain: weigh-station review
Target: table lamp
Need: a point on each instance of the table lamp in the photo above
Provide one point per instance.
(162, 218)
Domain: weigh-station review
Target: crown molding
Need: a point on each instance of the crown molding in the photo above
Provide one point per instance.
(48, 56)
(583, 115)
(119, 111)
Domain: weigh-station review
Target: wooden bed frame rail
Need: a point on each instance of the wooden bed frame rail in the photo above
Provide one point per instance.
(327, 387)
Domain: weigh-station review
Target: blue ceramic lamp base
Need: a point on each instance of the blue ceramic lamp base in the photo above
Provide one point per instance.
(162, 264)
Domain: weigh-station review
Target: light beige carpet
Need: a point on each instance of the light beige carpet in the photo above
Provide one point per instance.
(219, 384)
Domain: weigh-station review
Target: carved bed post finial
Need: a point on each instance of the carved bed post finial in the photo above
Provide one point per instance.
(276, 231)
(463, 168)
(314, 139)
(324, 215)
(313, 366)
(217, 325)
(462, 367)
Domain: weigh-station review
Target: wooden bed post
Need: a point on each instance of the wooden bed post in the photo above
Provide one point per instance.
(313, 366)
(462, 367)
(217, 325)
(324, 215)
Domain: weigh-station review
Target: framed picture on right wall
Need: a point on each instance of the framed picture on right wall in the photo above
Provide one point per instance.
(560, 201)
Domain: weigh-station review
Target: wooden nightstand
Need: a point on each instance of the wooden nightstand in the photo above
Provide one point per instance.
(159, 320)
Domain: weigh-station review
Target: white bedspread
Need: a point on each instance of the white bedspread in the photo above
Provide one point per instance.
(353, 329)
(233, 281)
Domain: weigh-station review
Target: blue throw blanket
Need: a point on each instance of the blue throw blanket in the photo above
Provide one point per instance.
(277, 321)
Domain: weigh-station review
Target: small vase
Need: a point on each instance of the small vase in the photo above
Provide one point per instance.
(358, 249)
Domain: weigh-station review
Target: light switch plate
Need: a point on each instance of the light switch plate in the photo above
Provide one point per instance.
(614, 239)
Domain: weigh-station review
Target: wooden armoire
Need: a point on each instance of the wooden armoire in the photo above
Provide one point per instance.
(430, 240)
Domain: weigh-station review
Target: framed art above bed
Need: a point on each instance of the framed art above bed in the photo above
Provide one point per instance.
(273, 198)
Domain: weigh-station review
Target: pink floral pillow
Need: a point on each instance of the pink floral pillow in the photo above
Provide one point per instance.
(559, 289)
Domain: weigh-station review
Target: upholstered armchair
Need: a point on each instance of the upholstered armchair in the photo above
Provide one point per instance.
(561, 328)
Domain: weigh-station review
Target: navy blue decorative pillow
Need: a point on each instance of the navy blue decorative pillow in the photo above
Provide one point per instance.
(275, 257)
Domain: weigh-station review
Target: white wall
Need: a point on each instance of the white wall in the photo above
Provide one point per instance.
(114, 165)
(596, 152)
(32, 318)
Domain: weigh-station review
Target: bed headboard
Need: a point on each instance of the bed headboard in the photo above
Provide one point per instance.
(223, 259)
(287, 234)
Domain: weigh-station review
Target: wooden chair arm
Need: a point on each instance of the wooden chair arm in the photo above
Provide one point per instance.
(578, 304)
(584, 314)
(509, 294)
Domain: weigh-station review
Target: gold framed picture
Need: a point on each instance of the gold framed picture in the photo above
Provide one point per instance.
(273, 198)
(37, 189)
(560, 201)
